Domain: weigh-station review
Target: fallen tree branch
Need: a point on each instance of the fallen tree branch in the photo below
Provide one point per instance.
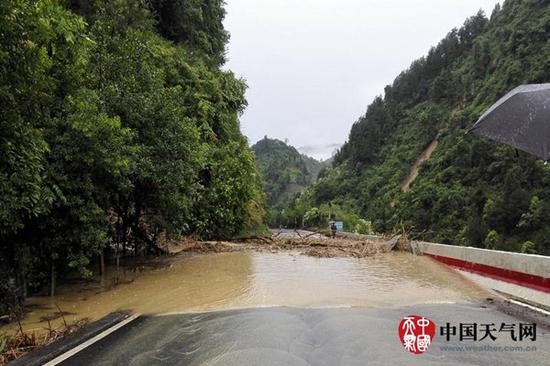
(313, 233)
(265, 239)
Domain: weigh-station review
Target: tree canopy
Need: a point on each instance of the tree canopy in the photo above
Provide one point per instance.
(118, 129)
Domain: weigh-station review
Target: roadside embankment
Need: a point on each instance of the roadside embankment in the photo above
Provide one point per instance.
(49, 346)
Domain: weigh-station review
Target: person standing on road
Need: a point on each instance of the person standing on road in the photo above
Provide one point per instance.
(333, 229)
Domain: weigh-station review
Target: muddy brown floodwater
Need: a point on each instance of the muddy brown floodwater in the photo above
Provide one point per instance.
(257, 279)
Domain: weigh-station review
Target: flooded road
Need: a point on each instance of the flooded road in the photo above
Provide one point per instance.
(248, 279)
(303, 337)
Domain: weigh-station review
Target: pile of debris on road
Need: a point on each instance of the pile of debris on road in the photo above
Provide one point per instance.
(312, 245)
(319, 246)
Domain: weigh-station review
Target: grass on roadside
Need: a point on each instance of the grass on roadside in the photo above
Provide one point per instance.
(14, 346)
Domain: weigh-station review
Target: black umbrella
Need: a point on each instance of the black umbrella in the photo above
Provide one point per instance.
(521, 119)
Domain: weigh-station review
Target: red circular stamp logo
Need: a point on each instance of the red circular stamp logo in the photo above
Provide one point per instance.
(416, 333)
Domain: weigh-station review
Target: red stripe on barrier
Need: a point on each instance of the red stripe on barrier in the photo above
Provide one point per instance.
(519, 278)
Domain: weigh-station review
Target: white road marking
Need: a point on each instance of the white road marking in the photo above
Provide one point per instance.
(539, 310)
(90, 341)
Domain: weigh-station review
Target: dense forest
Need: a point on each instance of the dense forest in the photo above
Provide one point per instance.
(119, 130)
(471, 191)
(285, 173)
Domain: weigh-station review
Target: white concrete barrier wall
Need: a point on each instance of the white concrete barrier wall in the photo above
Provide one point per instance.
(523, 276)
(538, 265)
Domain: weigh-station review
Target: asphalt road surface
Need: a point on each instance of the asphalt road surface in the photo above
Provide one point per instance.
(290, 232)
(297, 337)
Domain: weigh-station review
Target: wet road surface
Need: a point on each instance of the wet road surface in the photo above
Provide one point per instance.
(297, 336)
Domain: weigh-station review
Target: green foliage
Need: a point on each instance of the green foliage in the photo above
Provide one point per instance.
(364, 227)
(302, 213)
(195, 23)
(219, 211)
(38, 47)
(112, 135)
(315, 218)
(528, 247)
(534, 217)
(284, 170)
(492, 240)
(471, 191)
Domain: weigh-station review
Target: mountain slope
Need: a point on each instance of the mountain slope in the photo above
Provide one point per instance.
(314, 166)
(284, 170)
(470, 191)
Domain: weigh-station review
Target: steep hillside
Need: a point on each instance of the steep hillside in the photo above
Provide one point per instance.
(314, 166)
(284, 170)
(470, 190)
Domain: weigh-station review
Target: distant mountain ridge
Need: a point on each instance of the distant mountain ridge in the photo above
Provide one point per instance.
(320, 152)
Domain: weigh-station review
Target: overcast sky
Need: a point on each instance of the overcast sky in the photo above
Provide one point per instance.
(313, 66)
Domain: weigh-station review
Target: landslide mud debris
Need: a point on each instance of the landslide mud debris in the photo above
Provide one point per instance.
(328, 248)
(314, 246)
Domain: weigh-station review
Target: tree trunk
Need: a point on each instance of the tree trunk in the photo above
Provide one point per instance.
(102, 264)
(52, 279)
(24, 287)
(117, 266)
